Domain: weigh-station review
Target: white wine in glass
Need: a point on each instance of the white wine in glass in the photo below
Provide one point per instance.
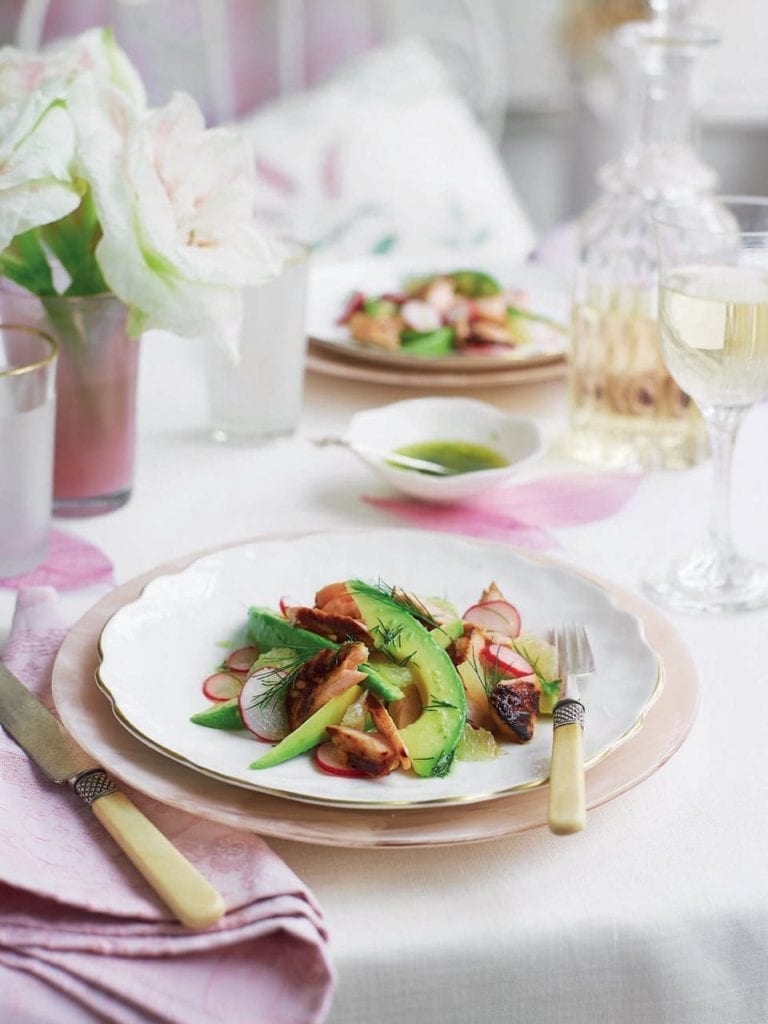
(713, 319)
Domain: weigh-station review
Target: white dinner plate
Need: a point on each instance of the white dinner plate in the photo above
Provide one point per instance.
(157, 650)
(331, 284)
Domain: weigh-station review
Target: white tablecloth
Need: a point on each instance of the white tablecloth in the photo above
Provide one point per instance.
(658, 912)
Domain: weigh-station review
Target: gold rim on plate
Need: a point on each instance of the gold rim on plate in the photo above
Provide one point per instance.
(381, 802)
(88, 717)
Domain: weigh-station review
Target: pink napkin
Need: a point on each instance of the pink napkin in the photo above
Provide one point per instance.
(83, 938)
(520, 514)
(71, 563)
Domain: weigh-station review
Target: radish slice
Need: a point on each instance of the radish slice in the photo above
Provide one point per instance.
(355, 303)
(267, 719)
(420, 316)
(284, 605)
(328, 757)
(222, 686)
(242, 659)
(505, 659)
(499, 615)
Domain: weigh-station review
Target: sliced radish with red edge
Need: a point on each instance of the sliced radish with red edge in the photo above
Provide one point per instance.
(222, 686)
(498, 615)
(329, 758)
(354, 305)
(242, 659)
(505, 659)
(267, 719)
(420, 316)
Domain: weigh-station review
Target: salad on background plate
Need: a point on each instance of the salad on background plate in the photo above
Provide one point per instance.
(459, 316)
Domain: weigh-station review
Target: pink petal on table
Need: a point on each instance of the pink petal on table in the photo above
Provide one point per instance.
(566, 500)
(71, 563)
(473, 520)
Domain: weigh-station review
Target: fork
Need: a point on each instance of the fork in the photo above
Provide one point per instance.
(567, 807)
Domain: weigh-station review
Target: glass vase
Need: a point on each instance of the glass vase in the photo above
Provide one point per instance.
(96, 387)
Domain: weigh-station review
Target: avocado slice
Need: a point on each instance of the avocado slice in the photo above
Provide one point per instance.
(311, 732)
(474, 284)
(428, 343)
(449, 631)
(223, 715)
(268, 630)
(432, 738)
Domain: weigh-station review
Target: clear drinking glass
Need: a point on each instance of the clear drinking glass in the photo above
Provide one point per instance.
(259, 397)
(27, 414)
(713, 319)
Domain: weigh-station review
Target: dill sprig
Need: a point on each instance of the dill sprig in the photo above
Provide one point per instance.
(443, 764)
(489, 674)
(285, 667)
(395, 598)
(437, 704)
(388, 641)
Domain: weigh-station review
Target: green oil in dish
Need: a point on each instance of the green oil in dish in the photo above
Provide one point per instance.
(455, 456)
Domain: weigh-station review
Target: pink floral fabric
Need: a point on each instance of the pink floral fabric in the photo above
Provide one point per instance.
(521, 514)
(71, 563)
(82, 937)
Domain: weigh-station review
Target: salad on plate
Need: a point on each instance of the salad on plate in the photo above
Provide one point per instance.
(374, 679)
(453, 313)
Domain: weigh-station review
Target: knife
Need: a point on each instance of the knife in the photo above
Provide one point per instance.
(190, 896)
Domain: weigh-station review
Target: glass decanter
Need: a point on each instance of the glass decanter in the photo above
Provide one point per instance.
(625, 409)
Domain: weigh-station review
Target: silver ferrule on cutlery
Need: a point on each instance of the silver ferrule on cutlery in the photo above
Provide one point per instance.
(190, 896)
(567, 800)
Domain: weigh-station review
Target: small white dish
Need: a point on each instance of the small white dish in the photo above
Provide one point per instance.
(418, 420)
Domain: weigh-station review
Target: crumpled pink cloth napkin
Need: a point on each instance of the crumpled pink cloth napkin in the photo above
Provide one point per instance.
(83, 938)
(520, 514)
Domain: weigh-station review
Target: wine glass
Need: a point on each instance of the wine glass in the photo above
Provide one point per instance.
(713, 321)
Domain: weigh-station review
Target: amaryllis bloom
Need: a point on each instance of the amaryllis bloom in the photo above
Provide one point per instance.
(37, 149)
(38, 176)
(94, 53)
(145, 203)
(175, 204)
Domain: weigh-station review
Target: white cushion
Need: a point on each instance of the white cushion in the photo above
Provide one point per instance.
(385, 157)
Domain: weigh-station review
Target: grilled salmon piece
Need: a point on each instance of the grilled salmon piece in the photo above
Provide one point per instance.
(387, 728)
(514, 705)
(382, 331)
(336, 599)
(491, 593)
(322, 678)
(369, 752)
(340, 628)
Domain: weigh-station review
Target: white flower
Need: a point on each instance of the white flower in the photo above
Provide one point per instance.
(175, 205)
(37, 138)
(94, 53)
(37, 148)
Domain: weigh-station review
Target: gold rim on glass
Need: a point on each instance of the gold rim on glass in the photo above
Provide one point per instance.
(18, 371)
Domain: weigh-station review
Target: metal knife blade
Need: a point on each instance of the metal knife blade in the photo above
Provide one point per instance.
(39, 734)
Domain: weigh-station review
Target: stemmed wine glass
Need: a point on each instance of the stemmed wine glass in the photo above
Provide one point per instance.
(713, 321)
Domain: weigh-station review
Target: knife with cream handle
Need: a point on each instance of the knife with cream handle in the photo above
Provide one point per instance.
(567, 805)
(190, 896)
